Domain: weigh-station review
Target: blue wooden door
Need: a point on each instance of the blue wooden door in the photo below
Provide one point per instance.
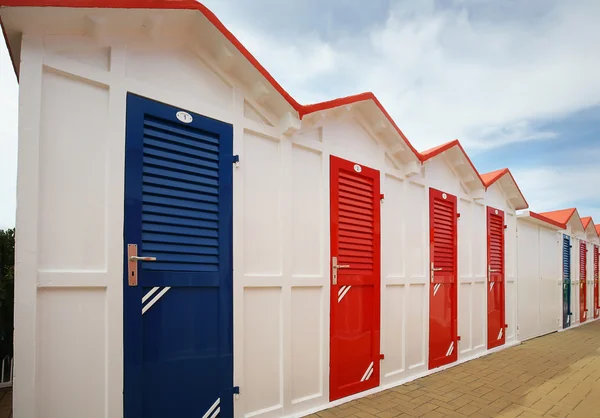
(178, 326)
(566, 281)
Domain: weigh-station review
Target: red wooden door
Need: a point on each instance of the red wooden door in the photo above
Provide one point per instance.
(495, 285)
(596, 278)
(582, 281)
(443, 339)
(355, 278)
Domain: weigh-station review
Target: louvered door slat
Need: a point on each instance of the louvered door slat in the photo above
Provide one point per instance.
(184, 188)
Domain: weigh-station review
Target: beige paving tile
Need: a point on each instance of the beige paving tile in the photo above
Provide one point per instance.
(557, 375)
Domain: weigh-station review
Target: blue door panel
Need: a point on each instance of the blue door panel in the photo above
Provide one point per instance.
(566, 259)
(178, 321)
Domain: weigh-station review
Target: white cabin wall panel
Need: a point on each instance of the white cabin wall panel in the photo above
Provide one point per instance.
(416, 236)
(307, 220)
(417, 318)
(550, 281)
(308, 366)
(82, 49)
(510, 277)
(71, 353)
(177, 67)
(393, 222)
(73, 142)
(262, 209)
(393, 341)
(392, 271)
(263, 357)
(575, 282)
(528, 286)
(346, 138)
(478, 237)
(439, 176)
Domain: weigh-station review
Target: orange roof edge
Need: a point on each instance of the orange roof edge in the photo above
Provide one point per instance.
(598, 229)
(563, 216)
(548, 220)
(435, 151)
(493, 176)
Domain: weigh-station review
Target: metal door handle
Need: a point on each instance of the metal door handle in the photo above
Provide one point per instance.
(334, 267)
(436, 269)
(136, 258)
(494, 271)
(132, 258)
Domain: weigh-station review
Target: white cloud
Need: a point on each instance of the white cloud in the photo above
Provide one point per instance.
(551, 188)
(8, 139)
(445, 74)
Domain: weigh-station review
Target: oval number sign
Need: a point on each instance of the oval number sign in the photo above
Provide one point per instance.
(357, 168)
(185, 117)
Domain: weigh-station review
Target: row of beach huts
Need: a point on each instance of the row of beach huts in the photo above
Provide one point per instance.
(192, 242)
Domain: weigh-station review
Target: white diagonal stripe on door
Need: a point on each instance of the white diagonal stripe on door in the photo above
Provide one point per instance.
(212, 408)
(150, 293)
(369, 369)
(344, 294)
(155, 299)
(450, 349)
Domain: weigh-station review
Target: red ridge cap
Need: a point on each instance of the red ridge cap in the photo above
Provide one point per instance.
(548, 220)
(598, 229)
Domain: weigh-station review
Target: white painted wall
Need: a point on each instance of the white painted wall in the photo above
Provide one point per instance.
(539, 307)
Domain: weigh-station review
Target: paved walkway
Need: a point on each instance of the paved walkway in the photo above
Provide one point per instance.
(557, 376)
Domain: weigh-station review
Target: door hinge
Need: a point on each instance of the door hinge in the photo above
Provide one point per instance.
(236, 390)
(457, 215)
(381, 357)
(236, 160)
(382, 197)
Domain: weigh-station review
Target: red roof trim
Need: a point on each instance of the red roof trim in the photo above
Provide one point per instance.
(562, 216)
(494, 176)
(212, 18)
(433, 152)
(598, 229)
(547, 220)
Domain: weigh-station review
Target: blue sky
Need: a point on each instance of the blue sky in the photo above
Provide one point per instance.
(517, 82)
